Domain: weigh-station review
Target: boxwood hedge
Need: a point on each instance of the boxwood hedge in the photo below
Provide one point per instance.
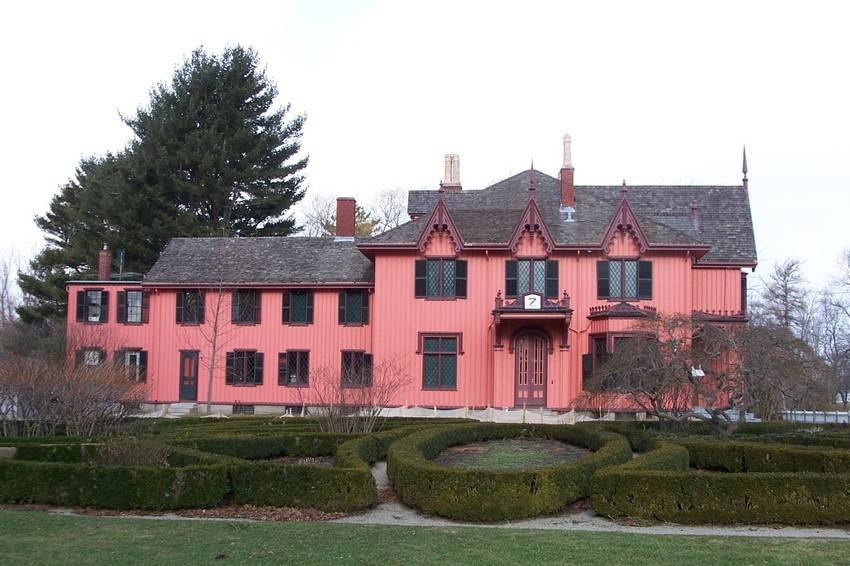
(484, 495)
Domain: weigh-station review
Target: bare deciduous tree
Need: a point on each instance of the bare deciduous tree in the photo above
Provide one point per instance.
(354, 403)
(390, 210)
(9, 296)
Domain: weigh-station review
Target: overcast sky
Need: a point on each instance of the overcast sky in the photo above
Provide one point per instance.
(651, 93)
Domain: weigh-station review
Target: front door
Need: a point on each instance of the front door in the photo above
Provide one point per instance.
(531, 354)
(188, 376)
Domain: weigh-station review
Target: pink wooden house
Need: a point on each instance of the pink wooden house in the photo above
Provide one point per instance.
(501, 297)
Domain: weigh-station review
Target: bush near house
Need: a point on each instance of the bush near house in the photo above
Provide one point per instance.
(485, 495)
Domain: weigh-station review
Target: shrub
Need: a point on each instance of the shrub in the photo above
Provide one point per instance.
(483, 495)
(113, 487)
(727, 456)
(270, 446)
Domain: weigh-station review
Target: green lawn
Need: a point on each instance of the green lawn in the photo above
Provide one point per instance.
(40, 538)
(510, 454)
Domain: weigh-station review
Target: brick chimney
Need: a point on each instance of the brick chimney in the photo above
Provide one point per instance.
(451, 176)
(568, 190)
(345, 212)
(104, 264)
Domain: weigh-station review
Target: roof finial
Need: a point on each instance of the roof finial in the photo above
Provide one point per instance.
(624, 190)
(441, 191)
(531, 181)
(744, 168)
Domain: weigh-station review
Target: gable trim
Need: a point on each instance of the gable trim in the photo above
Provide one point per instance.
(440, 221)
(625, 221)
(532, 222)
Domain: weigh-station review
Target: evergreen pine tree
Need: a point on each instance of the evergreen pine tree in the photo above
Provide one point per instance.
(211, 155)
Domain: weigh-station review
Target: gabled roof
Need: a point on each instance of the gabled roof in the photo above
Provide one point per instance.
(268, 261)
(488, 216)
(440, 221)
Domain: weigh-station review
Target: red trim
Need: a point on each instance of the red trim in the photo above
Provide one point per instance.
(624, 220)
(440, 221)
(422, 335)
(227, 286)
(531, 221)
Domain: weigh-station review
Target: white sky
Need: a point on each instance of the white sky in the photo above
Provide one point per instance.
(651, 93)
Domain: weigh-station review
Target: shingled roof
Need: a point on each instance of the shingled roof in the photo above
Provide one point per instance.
(489, 216)
(269, 260)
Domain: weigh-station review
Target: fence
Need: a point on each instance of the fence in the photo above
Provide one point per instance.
(817, 417)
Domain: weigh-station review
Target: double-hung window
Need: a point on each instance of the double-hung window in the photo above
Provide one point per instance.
(624, 279)
(356, 368)
(354, 307)
(439, 361)
(92, 306)
(244, 367)
(297, 306)
(133, 307)
(531, 276)
(190, 306)
(245, 306)
(293, 369)
(134, 362)
(89, 357)
(440, 278)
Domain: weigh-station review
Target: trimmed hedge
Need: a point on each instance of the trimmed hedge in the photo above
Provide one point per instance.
(270, 446)
(716, 497)
(113, 487)
(726, 456)
(484, 495)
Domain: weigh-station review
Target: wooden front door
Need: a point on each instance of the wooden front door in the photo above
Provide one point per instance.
(188, 376)
(531, 353)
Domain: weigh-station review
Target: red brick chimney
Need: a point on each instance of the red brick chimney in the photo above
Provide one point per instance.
(104, 264)
(345, 211)
(568, 191)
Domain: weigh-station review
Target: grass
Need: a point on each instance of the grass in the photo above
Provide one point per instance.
(39, 538)
(510, 454)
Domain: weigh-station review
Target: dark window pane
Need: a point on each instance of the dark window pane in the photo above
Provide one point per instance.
(448, 278)
(449, 370)
(354, 307)
(510, 278)
(433, 279)
(615, 281)
(134, 306)
(298, 306)
(630, 279)
(523, 279)
(539, 277)
(431, 344)
(449, 345)
(602, 284)
(431, 371)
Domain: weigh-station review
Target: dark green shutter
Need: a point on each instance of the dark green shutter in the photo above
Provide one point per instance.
(460, 278)
(586, 366)
(342, 307)
(282, 368)
(309, 306)
(366, 370)
(122, 306)
(304, 367)
(365, 302)
(179, 316)
(258, 304)
(81, 306)
(552, 279)
(201, 310)
(258, 368)
(146, 306)
(104, 306)
(743, 293)
(420, 277)
(230, 368)
(236, 307)
(143, 365)
(287, 306)
(645, 279)
(510, 278)
(118, 358)
(603, 281)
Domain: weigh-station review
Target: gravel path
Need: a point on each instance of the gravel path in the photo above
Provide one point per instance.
(396, 513)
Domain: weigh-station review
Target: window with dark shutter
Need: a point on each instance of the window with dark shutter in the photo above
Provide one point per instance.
(531, 276)
(122, 306)
(245, 306)
(244, 368)
(624, 279)
(92, 306)
(354, 307)
(134, 363)
(297, 306)
(294, 368)
(81, 306)
(587, 366)
(743, 293)
(132, 307)
(440, 278)
(439, 361)
(89, 357)
(356, 368)
(190, 306)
